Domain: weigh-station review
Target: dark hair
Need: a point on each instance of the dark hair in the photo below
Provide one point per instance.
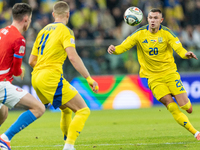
(19, 10)
(156, 10)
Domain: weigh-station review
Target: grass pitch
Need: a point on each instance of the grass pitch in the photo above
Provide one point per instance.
(146, 129)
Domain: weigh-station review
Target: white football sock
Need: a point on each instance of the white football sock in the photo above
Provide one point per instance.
(68, 146)
(195, 135)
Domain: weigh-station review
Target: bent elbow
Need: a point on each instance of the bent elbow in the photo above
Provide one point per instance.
(16, 72)
(31, 63)
(71, 58)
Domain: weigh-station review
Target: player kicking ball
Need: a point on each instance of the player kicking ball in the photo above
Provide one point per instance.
(155, 44)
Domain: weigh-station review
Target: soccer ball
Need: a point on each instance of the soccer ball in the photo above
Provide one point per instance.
(133, 16)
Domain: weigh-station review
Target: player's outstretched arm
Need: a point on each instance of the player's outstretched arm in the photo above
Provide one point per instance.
(111, 49)
(78, 64)
(190, 54)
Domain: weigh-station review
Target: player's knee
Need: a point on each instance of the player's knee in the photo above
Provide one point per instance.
(172, 107)
(66, 110)
(3, 114)
(84, 112)
(187, 107)
(40, 110)
(3, 118)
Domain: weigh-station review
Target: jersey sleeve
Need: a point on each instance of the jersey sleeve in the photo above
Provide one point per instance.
(34, 49)
(67, 38)
(19, 52)
(127, 44)
(177, 46)
(19, 48)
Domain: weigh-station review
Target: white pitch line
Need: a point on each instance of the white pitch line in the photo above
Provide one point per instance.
(174, 143)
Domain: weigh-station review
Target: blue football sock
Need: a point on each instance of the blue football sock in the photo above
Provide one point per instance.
(23, 121)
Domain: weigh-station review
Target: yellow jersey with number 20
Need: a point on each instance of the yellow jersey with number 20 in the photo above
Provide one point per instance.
(154, 50)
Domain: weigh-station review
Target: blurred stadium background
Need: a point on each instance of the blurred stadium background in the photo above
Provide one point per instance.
(99, 23)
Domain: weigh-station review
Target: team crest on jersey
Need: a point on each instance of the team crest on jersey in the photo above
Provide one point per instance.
(160, 39)
(21, 49)
(72, 41)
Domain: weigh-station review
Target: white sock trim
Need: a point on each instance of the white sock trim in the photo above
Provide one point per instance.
(5, 138)
(195, 135)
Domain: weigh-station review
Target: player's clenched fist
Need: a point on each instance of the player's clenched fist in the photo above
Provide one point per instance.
(93, 84)
(111, 49)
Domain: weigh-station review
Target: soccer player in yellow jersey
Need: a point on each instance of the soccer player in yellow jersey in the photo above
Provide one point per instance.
(52, 46)
(155, 44)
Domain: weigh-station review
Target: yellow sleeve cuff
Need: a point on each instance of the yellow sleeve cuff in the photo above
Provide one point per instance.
(89, 80)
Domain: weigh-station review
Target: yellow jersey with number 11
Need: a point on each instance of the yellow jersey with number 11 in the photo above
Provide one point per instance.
(47, 76)
(49, 47)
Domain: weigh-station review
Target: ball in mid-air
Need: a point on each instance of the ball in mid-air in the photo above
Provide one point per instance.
(133, 16)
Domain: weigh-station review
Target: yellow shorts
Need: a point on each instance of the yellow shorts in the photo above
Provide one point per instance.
(166, 84)
(51, 87)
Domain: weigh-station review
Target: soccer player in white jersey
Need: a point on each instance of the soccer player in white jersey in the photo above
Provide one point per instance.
(155, 44)
(12, 50)
(52, 46)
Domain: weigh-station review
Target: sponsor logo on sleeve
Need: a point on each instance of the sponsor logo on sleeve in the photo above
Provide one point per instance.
(21, 49)
(72, 41)
(177, 42)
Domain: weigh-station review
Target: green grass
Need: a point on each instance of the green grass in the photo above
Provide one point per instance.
(146, 129)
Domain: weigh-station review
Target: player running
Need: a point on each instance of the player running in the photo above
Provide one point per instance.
(155, 45)
(12, 50)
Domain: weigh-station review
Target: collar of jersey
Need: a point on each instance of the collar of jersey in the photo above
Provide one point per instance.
(148, 27)
(57, 22)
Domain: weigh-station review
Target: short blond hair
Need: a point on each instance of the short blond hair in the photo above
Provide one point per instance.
(60, 8)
